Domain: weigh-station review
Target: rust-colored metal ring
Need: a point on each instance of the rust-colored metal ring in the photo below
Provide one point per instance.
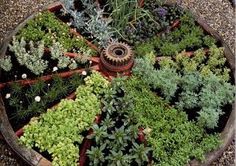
(117, 57)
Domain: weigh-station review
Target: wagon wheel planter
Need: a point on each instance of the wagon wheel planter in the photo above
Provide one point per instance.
(116, 83)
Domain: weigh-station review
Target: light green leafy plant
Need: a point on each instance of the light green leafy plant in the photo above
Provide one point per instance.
(49, 132)
(5, 63)
(47, 27)
(140, 153)
(118, 159)
(96, 155)
(214, 63)
(97, 82)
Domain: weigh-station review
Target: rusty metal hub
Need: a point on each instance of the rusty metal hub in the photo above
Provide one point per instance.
(117, 57)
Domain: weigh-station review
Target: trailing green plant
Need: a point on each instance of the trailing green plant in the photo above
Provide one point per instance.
(5, 63)
(32, 59)
(45, 26)
(174, 139)
(49, 132)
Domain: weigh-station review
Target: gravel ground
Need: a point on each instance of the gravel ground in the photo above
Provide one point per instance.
(218, 13)
(12, 12)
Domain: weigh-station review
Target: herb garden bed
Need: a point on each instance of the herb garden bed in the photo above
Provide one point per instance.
(63, 102)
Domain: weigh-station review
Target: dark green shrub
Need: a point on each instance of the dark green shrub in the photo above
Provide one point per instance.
(116, 135)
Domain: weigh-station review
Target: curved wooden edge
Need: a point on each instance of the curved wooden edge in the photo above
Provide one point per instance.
(35, 159)
(30, 156)
(228, 134)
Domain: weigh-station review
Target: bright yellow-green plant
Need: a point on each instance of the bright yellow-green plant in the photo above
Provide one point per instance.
(58, 130)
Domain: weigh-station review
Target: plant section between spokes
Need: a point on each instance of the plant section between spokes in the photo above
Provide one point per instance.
(116, 83)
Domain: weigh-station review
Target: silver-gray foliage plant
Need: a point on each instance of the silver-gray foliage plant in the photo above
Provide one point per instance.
(32, 59)
(5, 63)
(91, 20)
(57, 53)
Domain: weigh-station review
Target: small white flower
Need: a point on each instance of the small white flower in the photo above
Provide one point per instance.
(49, 84)
(24, 76)
(84, 73)
(69, 23)
(37, 98)
(147, 131)
(8, 95)
(15, 76)
(90, 62)
(21, 102)
(54, 69)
